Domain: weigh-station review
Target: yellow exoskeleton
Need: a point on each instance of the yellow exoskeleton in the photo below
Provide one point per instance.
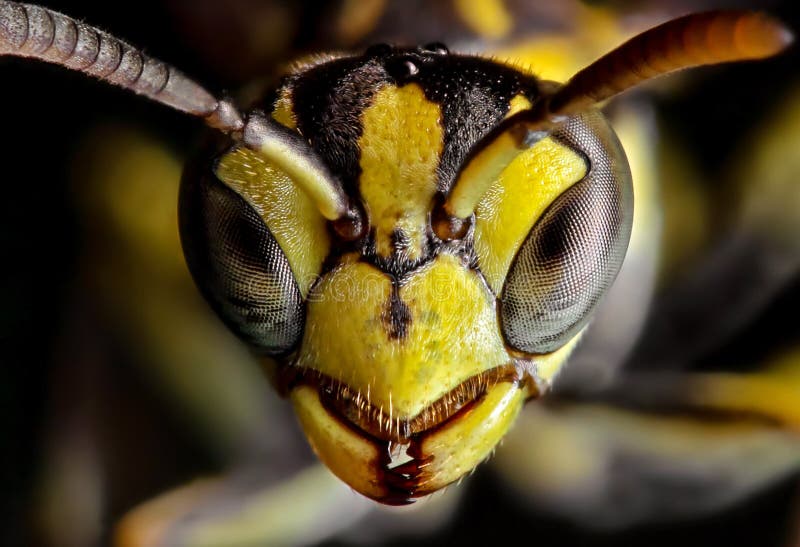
(413, 239)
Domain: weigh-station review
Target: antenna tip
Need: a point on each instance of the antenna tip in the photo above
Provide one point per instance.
(761, 35)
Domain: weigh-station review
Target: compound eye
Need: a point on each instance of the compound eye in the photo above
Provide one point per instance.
(574, 252)
(238, 264)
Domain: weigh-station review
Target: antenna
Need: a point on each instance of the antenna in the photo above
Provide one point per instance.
(690, 41)
(40, 33)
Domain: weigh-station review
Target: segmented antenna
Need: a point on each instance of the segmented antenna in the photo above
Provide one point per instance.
(689, 41)
(40, 33)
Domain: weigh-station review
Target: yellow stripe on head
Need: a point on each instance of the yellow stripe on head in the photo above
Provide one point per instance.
(401, 143)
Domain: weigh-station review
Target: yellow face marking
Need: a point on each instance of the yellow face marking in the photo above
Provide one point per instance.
(289, 213)
(440, 456)
(452, 334)
(514, 203)
(548, 366)
(464, 443)
(480, 174)
(485, 167)
(400, 146)
(489, 18)
(351, 457)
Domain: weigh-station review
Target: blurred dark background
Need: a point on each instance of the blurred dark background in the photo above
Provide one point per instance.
(45, 112)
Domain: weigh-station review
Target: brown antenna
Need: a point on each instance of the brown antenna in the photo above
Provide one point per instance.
(689, 41)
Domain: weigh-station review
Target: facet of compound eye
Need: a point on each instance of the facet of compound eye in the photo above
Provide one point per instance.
(574, 252)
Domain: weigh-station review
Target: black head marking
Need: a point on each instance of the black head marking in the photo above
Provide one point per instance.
(474, 95)
(328, 101)
(397, 316)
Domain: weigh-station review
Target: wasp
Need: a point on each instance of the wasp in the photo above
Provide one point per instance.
(411, 239)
